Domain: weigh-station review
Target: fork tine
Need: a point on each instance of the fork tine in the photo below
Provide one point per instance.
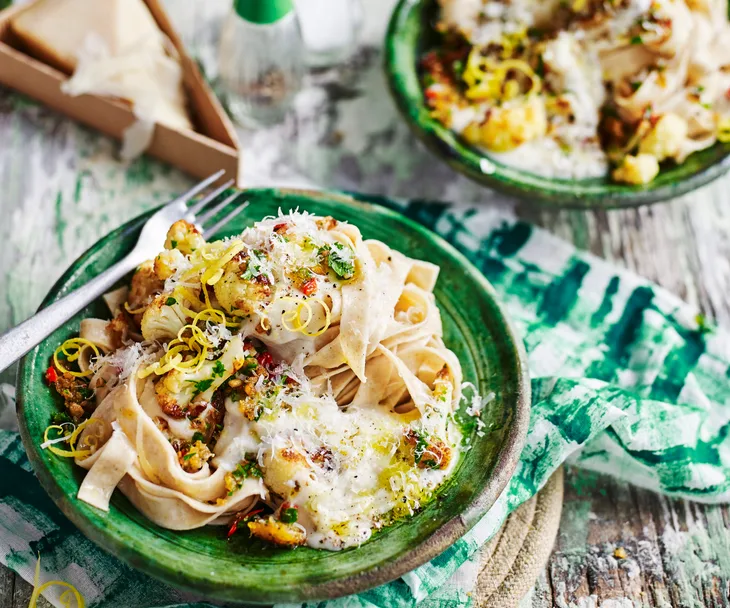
(212, 212)
(210, 197)
(199, 187)
(218, 225)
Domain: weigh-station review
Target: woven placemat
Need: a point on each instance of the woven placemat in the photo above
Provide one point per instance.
(511, 562)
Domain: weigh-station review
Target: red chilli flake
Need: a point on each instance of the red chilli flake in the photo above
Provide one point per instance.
(51, 375)
(265, 359)
(238, 519)
(309, 287)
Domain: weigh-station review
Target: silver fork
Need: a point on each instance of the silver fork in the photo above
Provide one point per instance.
(19, 340)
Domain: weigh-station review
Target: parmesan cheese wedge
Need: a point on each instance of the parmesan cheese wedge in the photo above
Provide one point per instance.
(113, 48)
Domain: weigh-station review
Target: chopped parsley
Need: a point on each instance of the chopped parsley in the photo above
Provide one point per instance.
(340, 260)
(289, 516)
(247, 469)
(202, 385)
(540, 69)
(86, 393)
(218, 369)
(636, 40)
(421, 445)
(170, 301)
(198, 436)
(60, 418)
(255, 265)
(174, 244)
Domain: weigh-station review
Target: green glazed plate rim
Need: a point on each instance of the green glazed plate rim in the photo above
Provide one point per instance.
(404, 39)
(92, 523)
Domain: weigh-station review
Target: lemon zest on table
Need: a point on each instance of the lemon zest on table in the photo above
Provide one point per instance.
(66, 597)
(71, 349)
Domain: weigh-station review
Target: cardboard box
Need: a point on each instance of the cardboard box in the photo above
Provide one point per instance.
(212, 146)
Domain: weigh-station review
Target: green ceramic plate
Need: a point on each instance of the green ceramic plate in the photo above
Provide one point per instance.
(246, 570)
(411, 33)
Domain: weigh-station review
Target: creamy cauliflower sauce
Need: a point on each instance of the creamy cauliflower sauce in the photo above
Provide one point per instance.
(580, 88)
(291, 380)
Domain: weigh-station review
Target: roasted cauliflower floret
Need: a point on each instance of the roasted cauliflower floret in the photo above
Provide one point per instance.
(665, 139)
(145, 285)
(427, 452)
(184, 237)
(640, 169)
(162, 319)
(168, 262)
(283, 469)
(443, 385)
(177, 391)
(240, 288)
(508, 127)
(278, 533)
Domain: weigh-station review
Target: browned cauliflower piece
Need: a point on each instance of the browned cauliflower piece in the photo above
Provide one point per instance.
(163, 319)
(443, 387)
(167, 262)
(281, 466)
(239, 295)
(278, 533)
(179, 393)
(184, 237)
(427, 452)
(145, 286)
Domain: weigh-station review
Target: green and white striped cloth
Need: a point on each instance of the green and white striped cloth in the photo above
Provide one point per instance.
(627, 381)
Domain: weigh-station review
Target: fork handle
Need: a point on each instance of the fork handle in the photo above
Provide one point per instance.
(22, 338)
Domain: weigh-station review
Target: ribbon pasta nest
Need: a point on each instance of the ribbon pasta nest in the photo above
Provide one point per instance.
(579, 88)
(291, 380)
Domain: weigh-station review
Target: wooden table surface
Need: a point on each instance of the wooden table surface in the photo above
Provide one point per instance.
(62, 188)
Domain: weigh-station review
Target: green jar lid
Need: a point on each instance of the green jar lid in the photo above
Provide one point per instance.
(263, 11)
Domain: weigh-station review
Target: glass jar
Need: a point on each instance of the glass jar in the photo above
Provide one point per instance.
(330, 29)
(261, 60)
